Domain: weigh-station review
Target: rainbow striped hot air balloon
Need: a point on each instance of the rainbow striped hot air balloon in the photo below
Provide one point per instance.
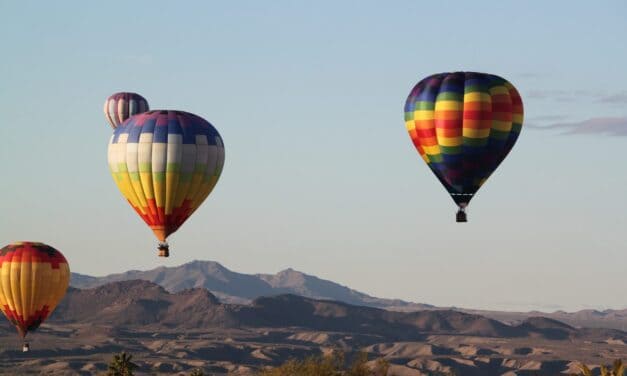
(120, 106)
(165, 163)
(463, 124)
(33, 279)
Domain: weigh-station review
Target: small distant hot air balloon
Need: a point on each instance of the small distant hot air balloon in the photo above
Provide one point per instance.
(33, 279)
(463, 124)
(120, 106)
(165, 163)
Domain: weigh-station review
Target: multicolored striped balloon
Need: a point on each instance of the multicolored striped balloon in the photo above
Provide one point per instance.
(463, 124)
(120, 106)
(33, 280)
(165, 163)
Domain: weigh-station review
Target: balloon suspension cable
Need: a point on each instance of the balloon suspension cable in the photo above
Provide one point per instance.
(164, 249)
(25, 347)
(461, 214)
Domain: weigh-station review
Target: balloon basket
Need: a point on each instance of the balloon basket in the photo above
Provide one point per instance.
(164, 250)
(461, 216)
(25, 347)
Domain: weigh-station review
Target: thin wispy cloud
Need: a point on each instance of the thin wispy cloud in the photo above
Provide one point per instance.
(561, 95)
(617, 98)
(579, 95)
(544, 94)
(531, 75)
(611, 126)
(545, 118)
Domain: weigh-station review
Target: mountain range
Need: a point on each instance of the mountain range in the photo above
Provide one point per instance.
(239, 288)
(175, 332)
(142, 303)
(233, 287)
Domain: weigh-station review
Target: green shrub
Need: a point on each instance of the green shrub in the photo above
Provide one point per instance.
(329, 365)
(121, 365)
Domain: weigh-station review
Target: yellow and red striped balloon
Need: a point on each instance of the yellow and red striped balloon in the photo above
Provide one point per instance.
(33, 279)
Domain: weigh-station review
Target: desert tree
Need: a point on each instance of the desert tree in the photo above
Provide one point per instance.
(121, 365)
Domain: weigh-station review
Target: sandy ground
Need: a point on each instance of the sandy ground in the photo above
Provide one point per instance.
(86, 350)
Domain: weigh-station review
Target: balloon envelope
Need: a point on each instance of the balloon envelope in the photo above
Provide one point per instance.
(33, 279)
(463, 125)
(120, 106)
(165, 163)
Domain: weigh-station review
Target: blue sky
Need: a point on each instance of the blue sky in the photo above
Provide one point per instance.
(320, 174)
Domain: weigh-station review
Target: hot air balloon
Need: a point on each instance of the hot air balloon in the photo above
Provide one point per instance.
(120, 106)
(165, 163)
(463, 124)
(33, 280)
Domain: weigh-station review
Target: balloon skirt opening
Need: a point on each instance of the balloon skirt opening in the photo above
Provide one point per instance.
(160, 233)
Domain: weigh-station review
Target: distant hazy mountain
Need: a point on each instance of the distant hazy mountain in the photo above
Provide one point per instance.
(142, 303)
(233, 287)
(609, 318)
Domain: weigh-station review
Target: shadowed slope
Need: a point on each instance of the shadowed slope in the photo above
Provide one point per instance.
(141, 303)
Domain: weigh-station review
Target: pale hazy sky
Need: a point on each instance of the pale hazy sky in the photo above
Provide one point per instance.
(320, 174)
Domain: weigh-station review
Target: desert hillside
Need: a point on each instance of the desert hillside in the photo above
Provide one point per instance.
(171, 333)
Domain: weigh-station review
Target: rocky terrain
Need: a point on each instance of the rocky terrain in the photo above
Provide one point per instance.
(172, 333)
